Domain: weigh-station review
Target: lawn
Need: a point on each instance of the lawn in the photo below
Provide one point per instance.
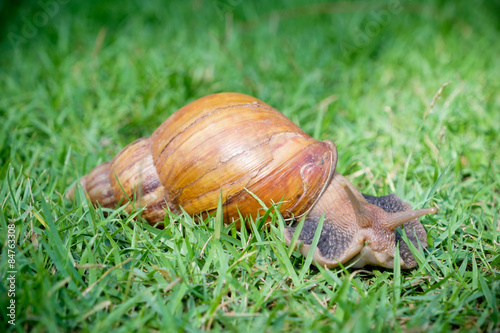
(408, 91)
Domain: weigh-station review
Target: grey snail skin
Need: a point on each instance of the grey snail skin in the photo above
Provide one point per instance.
(240, 146)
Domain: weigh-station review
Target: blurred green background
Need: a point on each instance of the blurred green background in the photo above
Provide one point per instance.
(408, 91)
(116, 70)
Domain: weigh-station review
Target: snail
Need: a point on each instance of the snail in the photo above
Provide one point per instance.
(239, 146)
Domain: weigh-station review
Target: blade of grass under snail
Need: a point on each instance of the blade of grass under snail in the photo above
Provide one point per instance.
(218, 218)
(244, 237)
(253, 226)
(295, 236)
(314, 244)
(278, 217)
(418, 255)
(279, 247)
(280, 251)
(260, 221)
(397, 276)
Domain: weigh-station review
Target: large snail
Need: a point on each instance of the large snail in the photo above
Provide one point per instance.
(239, 146)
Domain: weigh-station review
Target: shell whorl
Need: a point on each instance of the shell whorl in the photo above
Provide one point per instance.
(230, 142)
(130, 178)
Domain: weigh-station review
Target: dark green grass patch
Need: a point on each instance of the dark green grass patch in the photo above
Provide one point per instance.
(407, 91)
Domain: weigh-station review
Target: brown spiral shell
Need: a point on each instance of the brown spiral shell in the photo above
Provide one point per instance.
(227, 142)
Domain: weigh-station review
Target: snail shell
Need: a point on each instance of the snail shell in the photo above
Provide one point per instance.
(239, 146)
(230, 142)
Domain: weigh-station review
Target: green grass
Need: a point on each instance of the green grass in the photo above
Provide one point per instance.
(97, 76)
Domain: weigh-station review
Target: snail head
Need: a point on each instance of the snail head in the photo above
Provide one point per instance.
(360, 229)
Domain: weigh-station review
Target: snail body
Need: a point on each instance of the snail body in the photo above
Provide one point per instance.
(239, 146)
